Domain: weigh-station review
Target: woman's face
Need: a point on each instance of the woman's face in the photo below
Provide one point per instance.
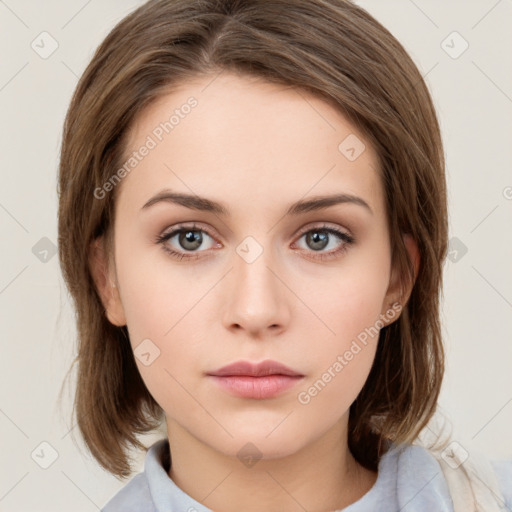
(259, 271)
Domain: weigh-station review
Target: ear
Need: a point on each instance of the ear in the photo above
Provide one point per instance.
(394, 293)
(105, 282)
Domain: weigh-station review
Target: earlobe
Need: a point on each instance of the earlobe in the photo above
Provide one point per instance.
(104, 281)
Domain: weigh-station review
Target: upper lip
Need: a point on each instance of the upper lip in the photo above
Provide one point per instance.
(267, 367)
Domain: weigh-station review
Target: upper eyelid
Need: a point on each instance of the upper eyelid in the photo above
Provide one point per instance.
(172, 232)
(325, 225)
(177, 229)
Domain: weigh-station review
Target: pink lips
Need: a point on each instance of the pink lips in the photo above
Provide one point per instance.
(259, 381)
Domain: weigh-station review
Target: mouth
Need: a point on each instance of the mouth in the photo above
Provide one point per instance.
(257, 381)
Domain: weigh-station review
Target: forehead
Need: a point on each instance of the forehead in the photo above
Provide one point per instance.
(247, 142)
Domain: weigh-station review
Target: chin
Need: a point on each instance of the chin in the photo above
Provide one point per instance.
(252, 446)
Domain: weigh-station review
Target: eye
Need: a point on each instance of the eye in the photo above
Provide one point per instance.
(318, 238)
(188, 239)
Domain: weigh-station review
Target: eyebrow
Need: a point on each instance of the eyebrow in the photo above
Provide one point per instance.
(195, 202)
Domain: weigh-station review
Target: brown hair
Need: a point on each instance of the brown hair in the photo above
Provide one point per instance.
(331, 48)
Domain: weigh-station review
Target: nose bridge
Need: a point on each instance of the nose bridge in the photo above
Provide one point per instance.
(252, 266)
(256, 299)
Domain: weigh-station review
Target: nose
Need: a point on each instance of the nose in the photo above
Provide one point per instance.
(257, 297)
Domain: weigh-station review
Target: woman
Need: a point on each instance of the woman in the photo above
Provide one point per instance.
(253, 224)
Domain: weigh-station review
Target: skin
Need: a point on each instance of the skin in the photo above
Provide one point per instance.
(257, 148)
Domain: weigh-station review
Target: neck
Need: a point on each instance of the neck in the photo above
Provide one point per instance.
(322, 476)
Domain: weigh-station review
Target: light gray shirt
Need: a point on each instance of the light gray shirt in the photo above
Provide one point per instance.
(409, 479)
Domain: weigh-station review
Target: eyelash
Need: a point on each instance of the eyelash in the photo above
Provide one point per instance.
(346, 238)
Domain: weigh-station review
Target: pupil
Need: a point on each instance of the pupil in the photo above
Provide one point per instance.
(318, 239)
(193, 237)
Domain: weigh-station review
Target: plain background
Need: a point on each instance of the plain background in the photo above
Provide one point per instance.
(472, 91)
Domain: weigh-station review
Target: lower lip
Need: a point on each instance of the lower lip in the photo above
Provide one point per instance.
(259, 388)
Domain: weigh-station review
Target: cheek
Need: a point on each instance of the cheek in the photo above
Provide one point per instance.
(157, 296)
(340, 359)
(348, 303)
(162, 309)
(162, 322)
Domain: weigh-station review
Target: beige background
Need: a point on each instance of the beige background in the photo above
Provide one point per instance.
(473, 95)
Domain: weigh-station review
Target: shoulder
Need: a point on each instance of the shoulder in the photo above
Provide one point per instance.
(135, 496)
(420, 482)
(503, 469)
(463, 474)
